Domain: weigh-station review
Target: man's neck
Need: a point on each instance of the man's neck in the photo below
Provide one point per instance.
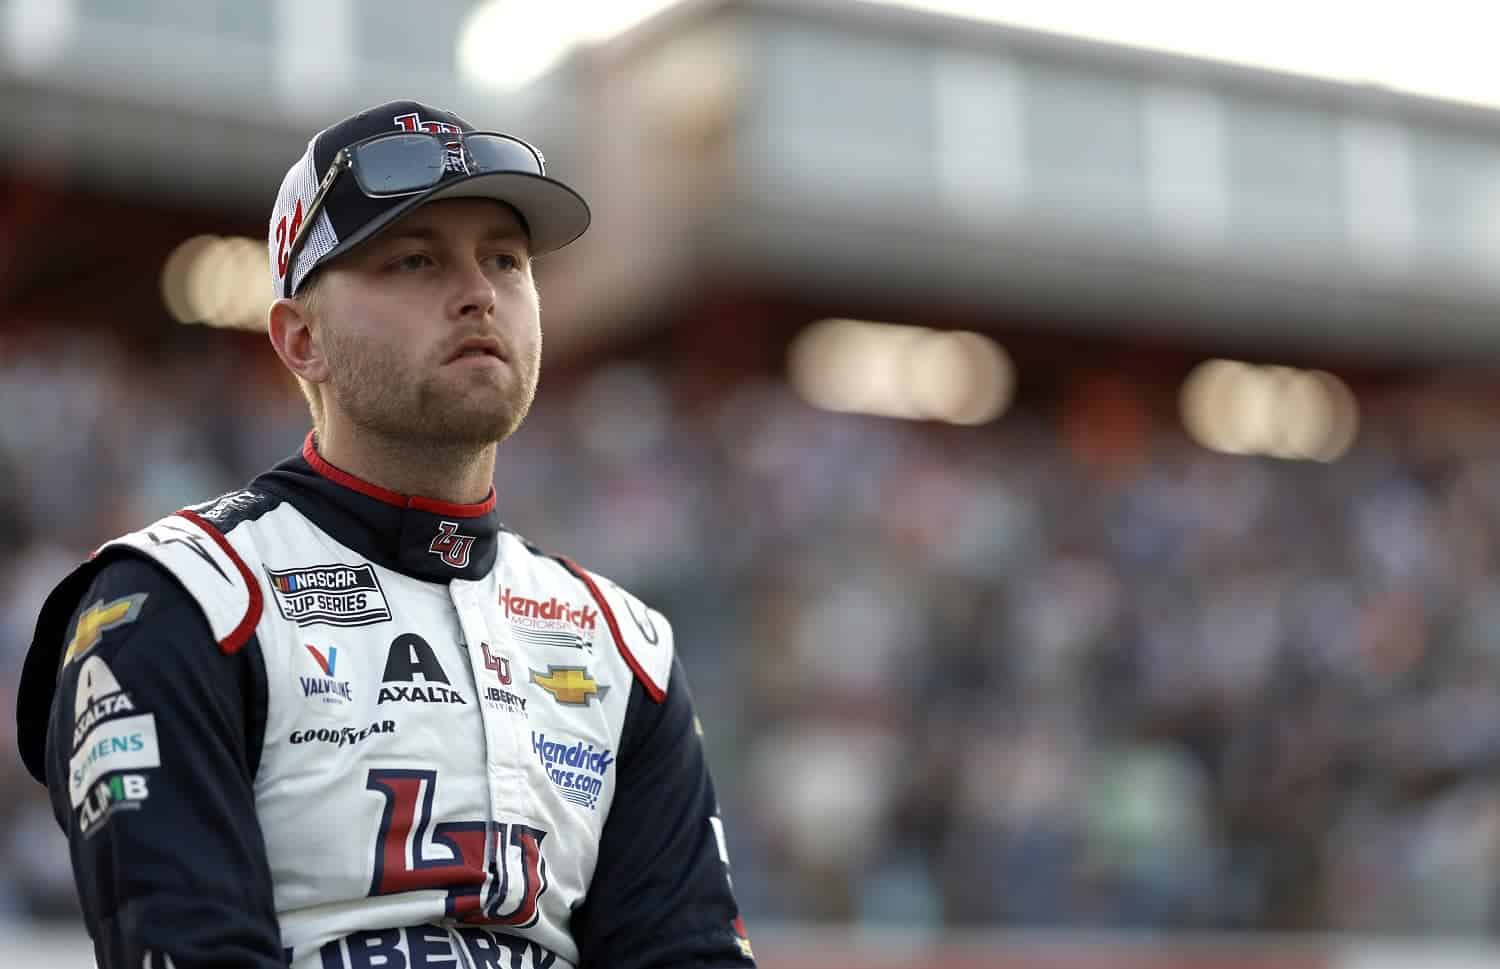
(458, 473)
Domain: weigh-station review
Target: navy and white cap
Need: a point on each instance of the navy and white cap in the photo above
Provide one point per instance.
(554, 214)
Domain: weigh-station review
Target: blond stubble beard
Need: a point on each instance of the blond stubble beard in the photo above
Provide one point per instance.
(379, 396)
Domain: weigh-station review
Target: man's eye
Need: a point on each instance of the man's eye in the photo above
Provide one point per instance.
(416, 260)
(505, 261)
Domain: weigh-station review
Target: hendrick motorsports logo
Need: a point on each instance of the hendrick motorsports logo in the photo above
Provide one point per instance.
(552, 622)
(577, 770)
(338, 595)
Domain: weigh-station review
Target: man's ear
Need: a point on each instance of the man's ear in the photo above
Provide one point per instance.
(292, 333)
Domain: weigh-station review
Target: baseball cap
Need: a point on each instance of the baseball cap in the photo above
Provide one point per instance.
(554, 214)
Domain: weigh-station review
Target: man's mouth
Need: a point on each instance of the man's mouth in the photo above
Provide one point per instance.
(478, 347)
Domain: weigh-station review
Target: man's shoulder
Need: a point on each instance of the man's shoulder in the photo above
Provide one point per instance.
(642, 635)
(196, 547)
(119, 593)
(168, 561)
(234, 508)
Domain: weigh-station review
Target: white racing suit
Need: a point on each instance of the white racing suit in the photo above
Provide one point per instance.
(315, 723)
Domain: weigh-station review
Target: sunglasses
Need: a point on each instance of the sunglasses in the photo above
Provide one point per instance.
(409, 162)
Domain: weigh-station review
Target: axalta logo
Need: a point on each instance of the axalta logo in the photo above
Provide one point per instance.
(336, 595)
(101, 709)
(98, 698)
(327, 687)
(576, 770)
(412, 661)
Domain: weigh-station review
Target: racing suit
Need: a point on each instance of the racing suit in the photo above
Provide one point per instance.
(320, 724)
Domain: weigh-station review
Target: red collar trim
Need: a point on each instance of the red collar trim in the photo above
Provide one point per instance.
(416, 502)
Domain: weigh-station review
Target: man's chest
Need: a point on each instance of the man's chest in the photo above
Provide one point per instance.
(496, 675)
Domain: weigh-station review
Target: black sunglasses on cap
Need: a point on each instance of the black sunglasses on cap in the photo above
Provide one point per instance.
(410, 162)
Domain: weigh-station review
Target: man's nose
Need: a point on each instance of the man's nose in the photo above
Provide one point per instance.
(475, 294)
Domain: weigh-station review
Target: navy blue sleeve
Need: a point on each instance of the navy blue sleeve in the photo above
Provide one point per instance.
(661, 896)
(152, 744)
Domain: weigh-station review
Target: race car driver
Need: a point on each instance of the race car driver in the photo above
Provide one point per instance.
(343, 718)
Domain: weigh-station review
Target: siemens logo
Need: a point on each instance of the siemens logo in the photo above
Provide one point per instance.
(125, 744)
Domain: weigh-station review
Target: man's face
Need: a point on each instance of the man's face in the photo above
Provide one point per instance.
(432, 330)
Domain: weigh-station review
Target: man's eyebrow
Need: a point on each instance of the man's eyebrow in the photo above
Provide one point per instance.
(422, 233)
(506, 234)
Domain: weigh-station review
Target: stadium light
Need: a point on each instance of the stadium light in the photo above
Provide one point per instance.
(218, 281)
(1239, 408)
(910, 372)
(507, 44)
(36, 33)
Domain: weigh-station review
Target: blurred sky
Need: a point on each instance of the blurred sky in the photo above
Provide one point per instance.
(1442, 48)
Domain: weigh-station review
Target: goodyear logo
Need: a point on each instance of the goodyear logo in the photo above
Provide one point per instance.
(569, 685)
(99, 619)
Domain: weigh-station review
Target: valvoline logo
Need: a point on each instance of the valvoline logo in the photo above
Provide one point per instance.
(325, 663)
(327, 687)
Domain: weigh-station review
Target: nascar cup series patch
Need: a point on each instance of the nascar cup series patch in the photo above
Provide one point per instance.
(337, 595)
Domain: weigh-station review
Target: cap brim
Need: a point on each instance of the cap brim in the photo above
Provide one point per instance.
(555, 214)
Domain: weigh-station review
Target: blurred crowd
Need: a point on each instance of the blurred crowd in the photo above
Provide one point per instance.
(948, 677)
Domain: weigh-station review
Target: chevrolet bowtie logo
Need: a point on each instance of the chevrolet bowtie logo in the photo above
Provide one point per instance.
(99, 619)
(569, 685)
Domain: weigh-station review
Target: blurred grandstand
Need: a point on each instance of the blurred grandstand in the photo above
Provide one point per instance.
(1172, 619)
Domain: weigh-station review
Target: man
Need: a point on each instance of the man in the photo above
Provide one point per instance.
(343, 717)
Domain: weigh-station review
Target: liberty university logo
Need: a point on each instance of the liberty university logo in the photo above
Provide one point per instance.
(450, 546)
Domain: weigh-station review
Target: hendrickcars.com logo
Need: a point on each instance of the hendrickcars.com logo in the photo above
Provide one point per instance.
(576, 769)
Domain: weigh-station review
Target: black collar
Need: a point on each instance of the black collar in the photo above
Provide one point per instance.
(420, 537)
